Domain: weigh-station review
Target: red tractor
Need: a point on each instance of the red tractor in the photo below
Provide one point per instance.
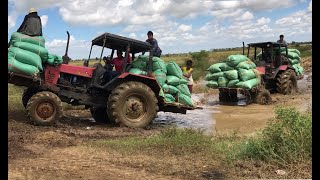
(129, 99)
(277, 73)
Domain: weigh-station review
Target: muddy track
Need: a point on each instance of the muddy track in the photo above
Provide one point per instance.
(61, 152)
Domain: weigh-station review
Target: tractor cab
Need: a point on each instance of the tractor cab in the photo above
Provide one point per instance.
(115, 43)
(268, 57)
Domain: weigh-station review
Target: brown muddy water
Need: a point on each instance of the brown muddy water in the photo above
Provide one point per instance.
(237, 118)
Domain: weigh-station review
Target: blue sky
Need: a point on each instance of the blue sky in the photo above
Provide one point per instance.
(178, 25)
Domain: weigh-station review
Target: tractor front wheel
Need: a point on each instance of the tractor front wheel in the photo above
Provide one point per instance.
(27, 94)
(44, 108)
(287, 82)
(132, 104)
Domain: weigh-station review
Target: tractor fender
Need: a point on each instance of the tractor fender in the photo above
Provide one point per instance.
(149, 81)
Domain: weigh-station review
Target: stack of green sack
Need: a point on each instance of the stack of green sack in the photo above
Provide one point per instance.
(237, 72)
(294, 60)
(293, 57)
(26, 54)
(169, 76)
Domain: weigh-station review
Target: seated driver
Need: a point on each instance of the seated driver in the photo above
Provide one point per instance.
(118, 62)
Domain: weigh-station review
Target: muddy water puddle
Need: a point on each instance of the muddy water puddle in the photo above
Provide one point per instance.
(220, 118)
(197, 119)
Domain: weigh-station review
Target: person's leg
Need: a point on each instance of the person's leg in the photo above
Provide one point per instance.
(190, 88)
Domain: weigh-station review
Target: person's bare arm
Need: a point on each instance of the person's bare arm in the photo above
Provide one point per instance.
(189, 74)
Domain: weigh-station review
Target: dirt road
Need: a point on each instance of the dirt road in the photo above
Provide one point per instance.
(62, 152)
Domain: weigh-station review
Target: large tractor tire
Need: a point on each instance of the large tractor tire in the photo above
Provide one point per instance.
(132, 104)
(287, 82)
(44, 108)
(99, 115)
(27, 94)
(263, 97)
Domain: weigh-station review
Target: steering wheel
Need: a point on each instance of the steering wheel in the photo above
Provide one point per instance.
(108, 66)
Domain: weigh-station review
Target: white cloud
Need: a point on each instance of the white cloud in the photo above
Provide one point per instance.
(44, 20)
(245, 16)
(310, 6)
(184, 28)
(11, 22)
(133, 35)
(263, 21)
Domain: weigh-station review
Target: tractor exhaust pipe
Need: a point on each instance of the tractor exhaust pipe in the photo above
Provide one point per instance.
(65, 57)
(242, 48)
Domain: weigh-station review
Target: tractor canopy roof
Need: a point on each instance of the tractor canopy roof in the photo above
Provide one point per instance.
(113, 41)
(267, 44)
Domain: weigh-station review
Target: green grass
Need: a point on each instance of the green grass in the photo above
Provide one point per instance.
(286, 140)
(173, 140)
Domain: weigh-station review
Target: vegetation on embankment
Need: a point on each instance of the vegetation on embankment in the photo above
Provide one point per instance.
(285, 144)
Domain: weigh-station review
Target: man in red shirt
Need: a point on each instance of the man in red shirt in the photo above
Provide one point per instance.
(118, 63)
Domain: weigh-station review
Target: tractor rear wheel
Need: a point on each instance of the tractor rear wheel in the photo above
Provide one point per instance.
(27, 94)
(287, 82)
(99, 114)
(132, 104)
(263, 97)
(44, 108)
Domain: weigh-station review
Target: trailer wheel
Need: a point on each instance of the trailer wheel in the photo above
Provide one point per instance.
(264, 97)
(44, 108)
(99, 115)
(27, 94)
(132, 104)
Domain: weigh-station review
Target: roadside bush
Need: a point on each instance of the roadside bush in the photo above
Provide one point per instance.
(286, 139)
(200, 63)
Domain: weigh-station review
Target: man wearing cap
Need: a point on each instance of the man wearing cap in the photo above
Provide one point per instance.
(31, 24)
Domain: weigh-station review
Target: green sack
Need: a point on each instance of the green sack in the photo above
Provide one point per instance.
(231, 74)
(248, 84)
(234, 60)
(294, 61)
(170, 89)
(175, 81)
(218, 67)
(246, 65)
(184, 99)
(232, 83)
(161, 93)
(183, 88)
(21, 68)
(39, 50)
(222, 81)
(140, 62)
(160, 76)
(298, 69)
(212, 84)
(54, 59)
(294, 50)
(137, 71)
(214, 68)
(214, 76)
(26, 57)
(19, 37)
(158, 63)
(245, 74)
(169, 98)
(174, 69)
(292, 55)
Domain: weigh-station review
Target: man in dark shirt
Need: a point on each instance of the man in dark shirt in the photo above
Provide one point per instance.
(281, 40)
(155, 47)
(31, 24)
